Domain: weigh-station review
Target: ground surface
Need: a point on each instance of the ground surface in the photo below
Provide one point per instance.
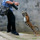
(22, 36)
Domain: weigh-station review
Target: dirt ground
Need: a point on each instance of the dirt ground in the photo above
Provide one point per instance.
(22, 36)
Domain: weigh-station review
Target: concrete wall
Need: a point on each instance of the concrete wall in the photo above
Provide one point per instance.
(32, 7)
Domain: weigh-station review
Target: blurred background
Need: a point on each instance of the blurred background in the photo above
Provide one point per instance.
(32, 7)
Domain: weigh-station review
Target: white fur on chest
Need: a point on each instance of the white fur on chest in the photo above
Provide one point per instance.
(25, 19)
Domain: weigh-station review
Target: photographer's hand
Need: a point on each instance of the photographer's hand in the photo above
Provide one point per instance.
(16, 3)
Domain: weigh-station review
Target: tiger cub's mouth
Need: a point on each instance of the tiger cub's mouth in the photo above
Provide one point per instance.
(25, 19)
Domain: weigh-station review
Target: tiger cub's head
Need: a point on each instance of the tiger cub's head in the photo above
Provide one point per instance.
(24, 13)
